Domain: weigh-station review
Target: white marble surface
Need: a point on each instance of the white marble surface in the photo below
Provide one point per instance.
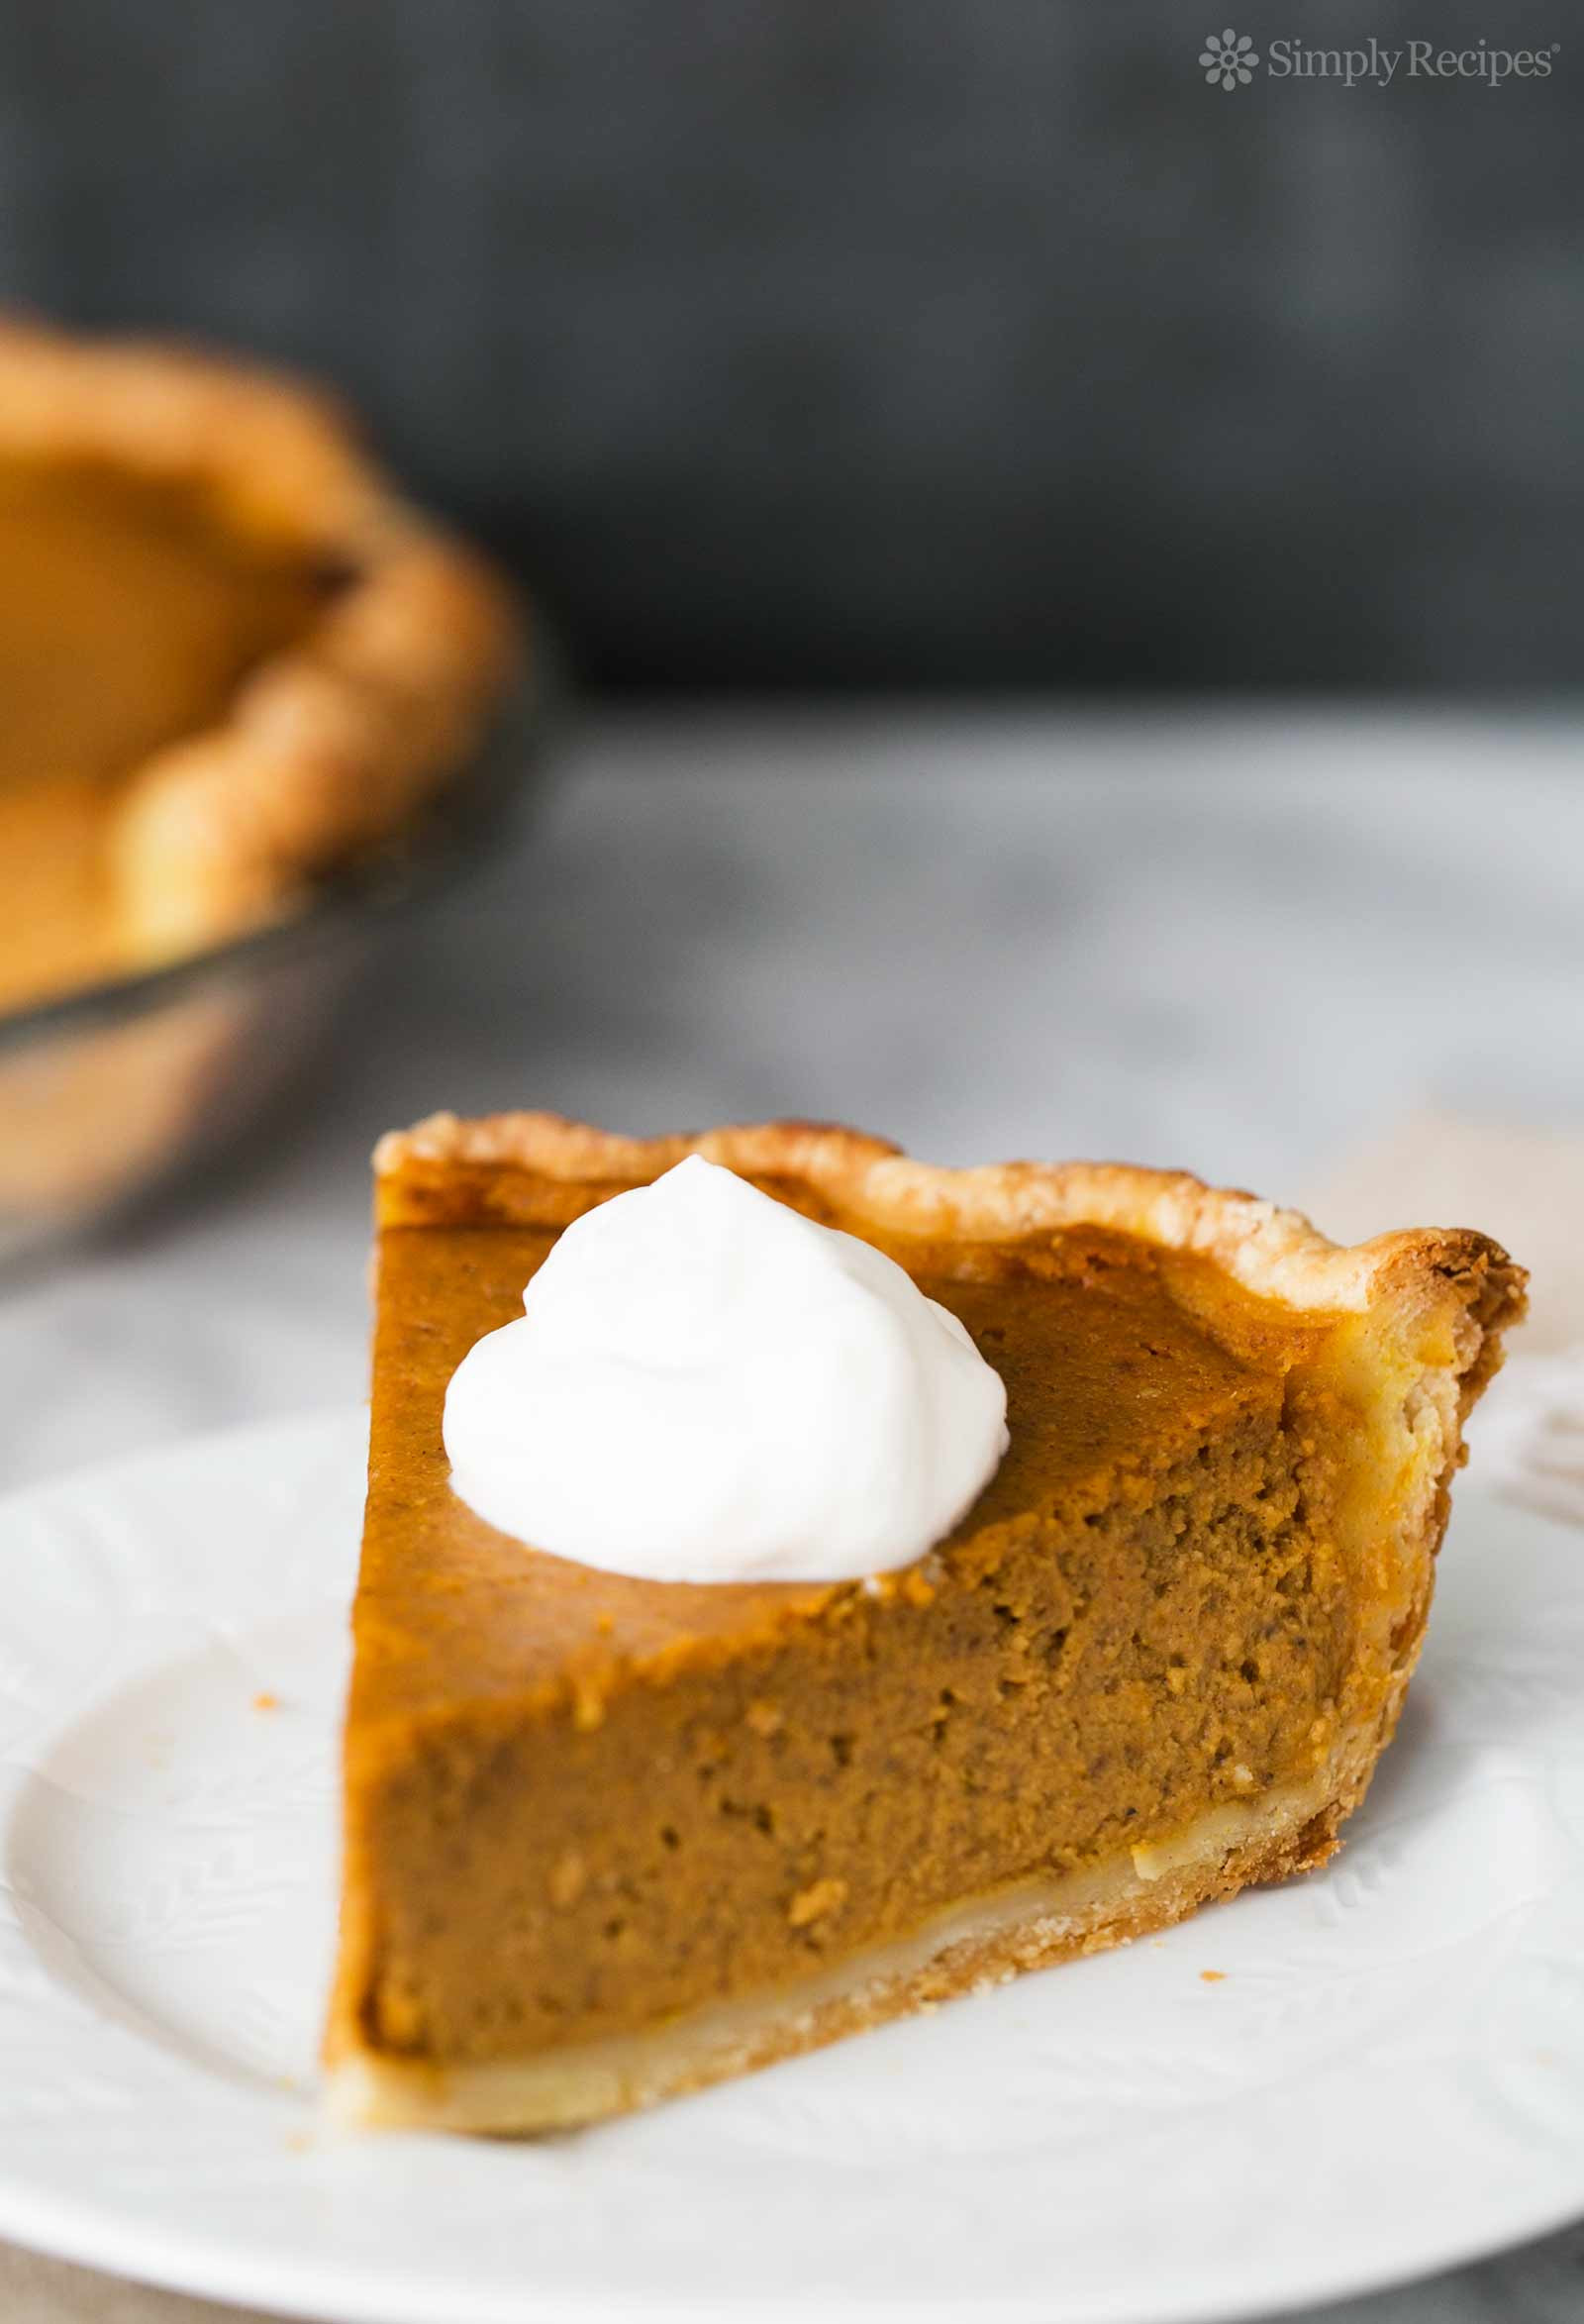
(1245, 944)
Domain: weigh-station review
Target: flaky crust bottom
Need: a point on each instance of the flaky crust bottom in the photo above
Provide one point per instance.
(982, 1943)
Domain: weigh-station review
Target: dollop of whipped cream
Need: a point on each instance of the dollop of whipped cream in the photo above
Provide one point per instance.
(705, 1386)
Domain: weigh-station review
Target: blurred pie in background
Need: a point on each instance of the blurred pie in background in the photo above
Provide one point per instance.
(230, 654)
(234, 660)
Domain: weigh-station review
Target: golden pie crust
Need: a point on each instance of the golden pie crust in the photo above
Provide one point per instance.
(1156, 1662)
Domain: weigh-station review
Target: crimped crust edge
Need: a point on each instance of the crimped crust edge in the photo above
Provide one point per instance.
(495, 1168)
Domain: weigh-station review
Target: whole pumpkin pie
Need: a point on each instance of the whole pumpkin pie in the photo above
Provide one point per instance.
(609, 1839)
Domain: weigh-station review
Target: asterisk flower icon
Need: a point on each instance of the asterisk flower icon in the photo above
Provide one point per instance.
(1230, 57)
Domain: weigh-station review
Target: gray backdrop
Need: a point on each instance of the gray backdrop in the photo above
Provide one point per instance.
(920, 342)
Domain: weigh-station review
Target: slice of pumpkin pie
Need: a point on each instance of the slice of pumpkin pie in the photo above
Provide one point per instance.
(610, 1837)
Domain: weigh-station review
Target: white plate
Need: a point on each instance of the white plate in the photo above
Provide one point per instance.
(1388, 2078)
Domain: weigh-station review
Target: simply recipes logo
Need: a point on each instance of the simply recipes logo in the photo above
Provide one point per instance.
(1230, 61)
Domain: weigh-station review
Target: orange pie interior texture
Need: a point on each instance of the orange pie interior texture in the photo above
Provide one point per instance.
(609, 1839)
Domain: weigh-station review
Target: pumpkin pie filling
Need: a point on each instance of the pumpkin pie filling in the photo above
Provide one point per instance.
(607, 1838)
